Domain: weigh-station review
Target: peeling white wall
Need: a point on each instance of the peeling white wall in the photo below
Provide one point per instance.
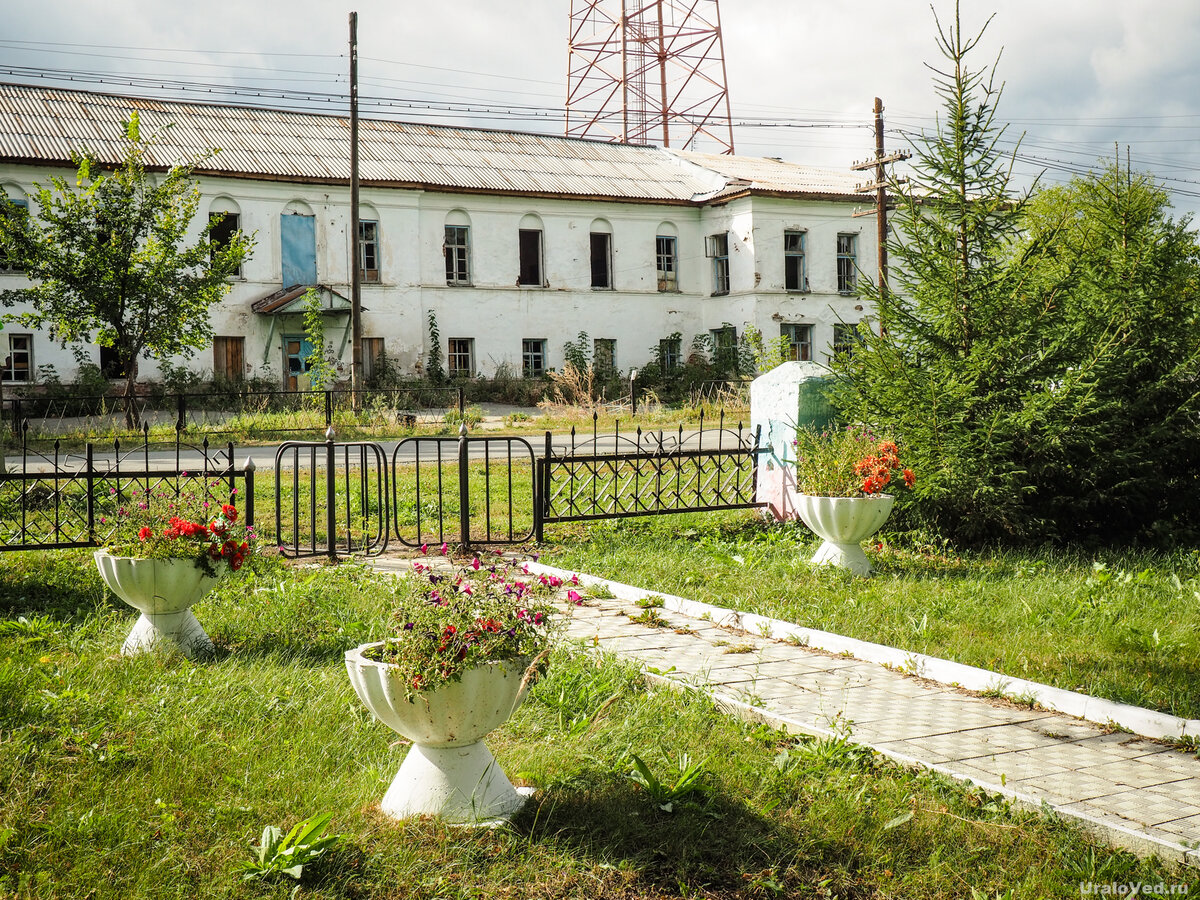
(493, 310)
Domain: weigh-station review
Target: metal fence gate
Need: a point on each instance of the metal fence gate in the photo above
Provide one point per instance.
(335, 495)
(465, 490)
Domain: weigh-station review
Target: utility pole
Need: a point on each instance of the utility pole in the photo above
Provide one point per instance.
(356, 360)
(879, 188)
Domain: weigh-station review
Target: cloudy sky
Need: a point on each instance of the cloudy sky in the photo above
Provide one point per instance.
(1081, 76)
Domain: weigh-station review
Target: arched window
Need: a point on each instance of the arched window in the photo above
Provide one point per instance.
(369, 247)
(298, 244)
(456, 247)
(601, 255)
(530, 250)
(666, 257)
(224, 220)
(18, 205)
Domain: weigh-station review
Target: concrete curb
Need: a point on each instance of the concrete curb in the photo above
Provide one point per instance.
(1123, 716)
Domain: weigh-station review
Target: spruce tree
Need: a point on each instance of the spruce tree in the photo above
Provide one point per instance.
(944, 364)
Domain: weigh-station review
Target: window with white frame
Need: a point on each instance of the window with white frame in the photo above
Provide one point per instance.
(368, 251)
(718, 250)
(601, 253)
(460, 360)
(666, 254)
(529, 245)
(604, 357)
(799, 341)
(795, 261)
(14, 207)
(18, 365)
(847, 263)
(533, 357)
(457, 250)
(670, 354)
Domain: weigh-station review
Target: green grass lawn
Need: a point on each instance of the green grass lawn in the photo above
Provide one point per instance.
(1119, 625)
(154, 776)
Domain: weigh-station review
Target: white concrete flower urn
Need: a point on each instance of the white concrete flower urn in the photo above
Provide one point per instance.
(448, 771)
(163, 591)
(844, 523)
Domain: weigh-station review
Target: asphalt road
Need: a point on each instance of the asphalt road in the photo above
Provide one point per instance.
(483, 444)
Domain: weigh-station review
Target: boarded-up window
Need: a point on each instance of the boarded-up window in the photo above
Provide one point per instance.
(229, 358)
(298, 243)
(799, 341)
(372, 350)
(604, 357)
(461, 358)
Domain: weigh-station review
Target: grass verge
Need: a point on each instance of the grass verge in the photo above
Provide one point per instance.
(153, 776)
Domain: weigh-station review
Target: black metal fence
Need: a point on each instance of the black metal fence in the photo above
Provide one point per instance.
(62, 499)
(646, 473)
(47, 416)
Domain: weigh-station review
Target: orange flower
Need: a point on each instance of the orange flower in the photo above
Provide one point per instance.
(909, 478)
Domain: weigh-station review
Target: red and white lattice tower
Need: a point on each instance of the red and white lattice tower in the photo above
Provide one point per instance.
(648, 72)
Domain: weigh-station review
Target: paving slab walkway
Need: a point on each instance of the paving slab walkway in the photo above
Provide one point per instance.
(1131, 791)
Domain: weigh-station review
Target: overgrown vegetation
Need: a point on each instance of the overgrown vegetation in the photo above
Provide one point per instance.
(156, 777)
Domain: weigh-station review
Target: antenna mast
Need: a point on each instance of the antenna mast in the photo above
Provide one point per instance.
(648, 71)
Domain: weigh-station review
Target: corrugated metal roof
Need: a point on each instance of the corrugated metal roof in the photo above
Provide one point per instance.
(757, 173)
(39, 124)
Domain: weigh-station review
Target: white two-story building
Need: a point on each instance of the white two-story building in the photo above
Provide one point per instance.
(516, 243)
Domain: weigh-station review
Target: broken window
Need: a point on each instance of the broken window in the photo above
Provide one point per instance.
(601, 260)
(530, 246)
(847, 263)
(18, 365)
(795, 263)
(718, 250)
(368, 251)
(224, 226)
(667, 262)
(533, 357)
